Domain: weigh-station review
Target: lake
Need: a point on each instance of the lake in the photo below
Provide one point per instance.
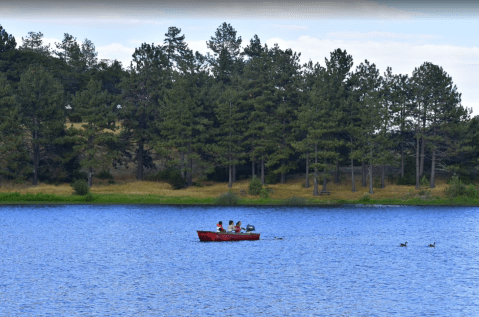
(90, 260)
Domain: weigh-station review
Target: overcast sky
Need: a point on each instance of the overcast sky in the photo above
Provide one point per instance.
(399, 34)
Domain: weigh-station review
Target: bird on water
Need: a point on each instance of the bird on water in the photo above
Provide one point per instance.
(403, 244)
(432, 245)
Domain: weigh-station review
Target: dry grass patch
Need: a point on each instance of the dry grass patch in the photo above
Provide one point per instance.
(211, 189)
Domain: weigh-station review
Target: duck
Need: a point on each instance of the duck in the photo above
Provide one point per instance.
(432, 245)
(403, 244)
(278, 238)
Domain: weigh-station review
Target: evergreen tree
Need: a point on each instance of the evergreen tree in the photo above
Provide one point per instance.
(367, 88)
(7, 41)
(34, 42)
(42, 111)
(13, 148)
(96, 140)
(141, 91)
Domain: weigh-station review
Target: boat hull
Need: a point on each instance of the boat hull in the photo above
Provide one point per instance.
(211, 236)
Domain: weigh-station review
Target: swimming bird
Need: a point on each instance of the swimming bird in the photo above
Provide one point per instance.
(432, 245)
(278, 238)
(403, 244)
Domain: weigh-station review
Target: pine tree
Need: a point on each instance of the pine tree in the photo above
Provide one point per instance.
(34, 42)
(141, 91)
(42, 111)
(96, 140)
(7, 41)
(13, 148)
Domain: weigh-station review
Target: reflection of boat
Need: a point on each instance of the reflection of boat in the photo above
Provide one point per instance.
(226, 236)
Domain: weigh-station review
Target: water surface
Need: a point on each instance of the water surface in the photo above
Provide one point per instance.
(148, 261)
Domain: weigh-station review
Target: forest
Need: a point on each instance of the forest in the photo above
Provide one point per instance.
(231, 114)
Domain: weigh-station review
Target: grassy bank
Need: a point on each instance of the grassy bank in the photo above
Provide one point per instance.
(144, 192)
(40, 198)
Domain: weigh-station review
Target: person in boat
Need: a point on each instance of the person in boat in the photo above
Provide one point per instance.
(238, 227)
(219, 227)
(231, 226)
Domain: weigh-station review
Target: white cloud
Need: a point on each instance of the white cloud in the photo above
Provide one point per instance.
(461, 63)
(383, 35)
(290, 27)
(116, 51)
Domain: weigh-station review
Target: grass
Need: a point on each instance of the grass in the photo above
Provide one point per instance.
(137, 192)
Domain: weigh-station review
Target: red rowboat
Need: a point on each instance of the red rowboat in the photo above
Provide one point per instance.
(217, 236)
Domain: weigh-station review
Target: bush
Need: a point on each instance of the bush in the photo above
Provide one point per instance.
(295, 201)
(227, 199)
(366, 198)
(89, 197)
(175, 180)
(264, 192)
(255, 186)
(80, 187)
(457, 189)
(272, 178)
(105, 175)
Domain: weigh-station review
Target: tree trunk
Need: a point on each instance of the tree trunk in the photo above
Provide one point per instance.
(230, 177)
(324, 190)
(421, 166)
(383, 180)
(371, 191)
(182, 155)
(417, 163)
(90, 176)
(315, 190)
(262, 170)
(306, 185)
(36, 153)
(402, 159)
(353, 189)
(363, 172)
(432, 181)
(189, 173)
(336, 177)
(252, 168)
(234, 173)
(139, 170)
(283, 174)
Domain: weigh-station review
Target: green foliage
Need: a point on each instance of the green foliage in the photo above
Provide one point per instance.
(365, 199)
(105, 174)
(264, 192)
(89, 197)
(7, 41)
(227, 199)
(255, 186)
(295, 201)
(175, 180)
(80, 187)
(272, 178)
(458, 189)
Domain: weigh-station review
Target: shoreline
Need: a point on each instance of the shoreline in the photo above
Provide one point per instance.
(137, 199)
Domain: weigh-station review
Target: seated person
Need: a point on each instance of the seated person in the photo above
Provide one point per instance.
(231, 226)
(219, 227)
(238, 227)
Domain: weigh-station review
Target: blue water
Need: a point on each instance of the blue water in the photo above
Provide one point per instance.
(148, 261)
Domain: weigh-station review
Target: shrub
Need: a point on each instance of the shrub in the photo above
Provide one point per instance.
(272, 178)
(424, 182)
(104, 174)
(175, 180)
(227, 199)
(295, 201)
(471, 192)
(80, 187)
(89, 197)
(264, 192)
(366, 198)
(255, 186)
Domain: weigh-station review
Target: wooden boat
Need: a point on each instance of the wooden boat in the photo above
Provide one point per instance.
(206, 236)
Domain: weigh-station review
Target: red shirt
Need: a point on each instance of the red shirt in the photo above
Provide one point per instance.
(237, 229)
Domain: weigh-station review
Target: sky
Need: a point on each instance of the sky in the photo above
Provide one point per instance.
(399, 34)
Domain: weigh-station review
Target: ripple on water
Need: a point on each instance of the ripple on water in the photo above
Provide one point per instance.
(147, 261)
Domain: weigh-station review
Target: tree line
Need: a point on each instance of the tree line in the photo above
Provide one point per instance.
(254, 111)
